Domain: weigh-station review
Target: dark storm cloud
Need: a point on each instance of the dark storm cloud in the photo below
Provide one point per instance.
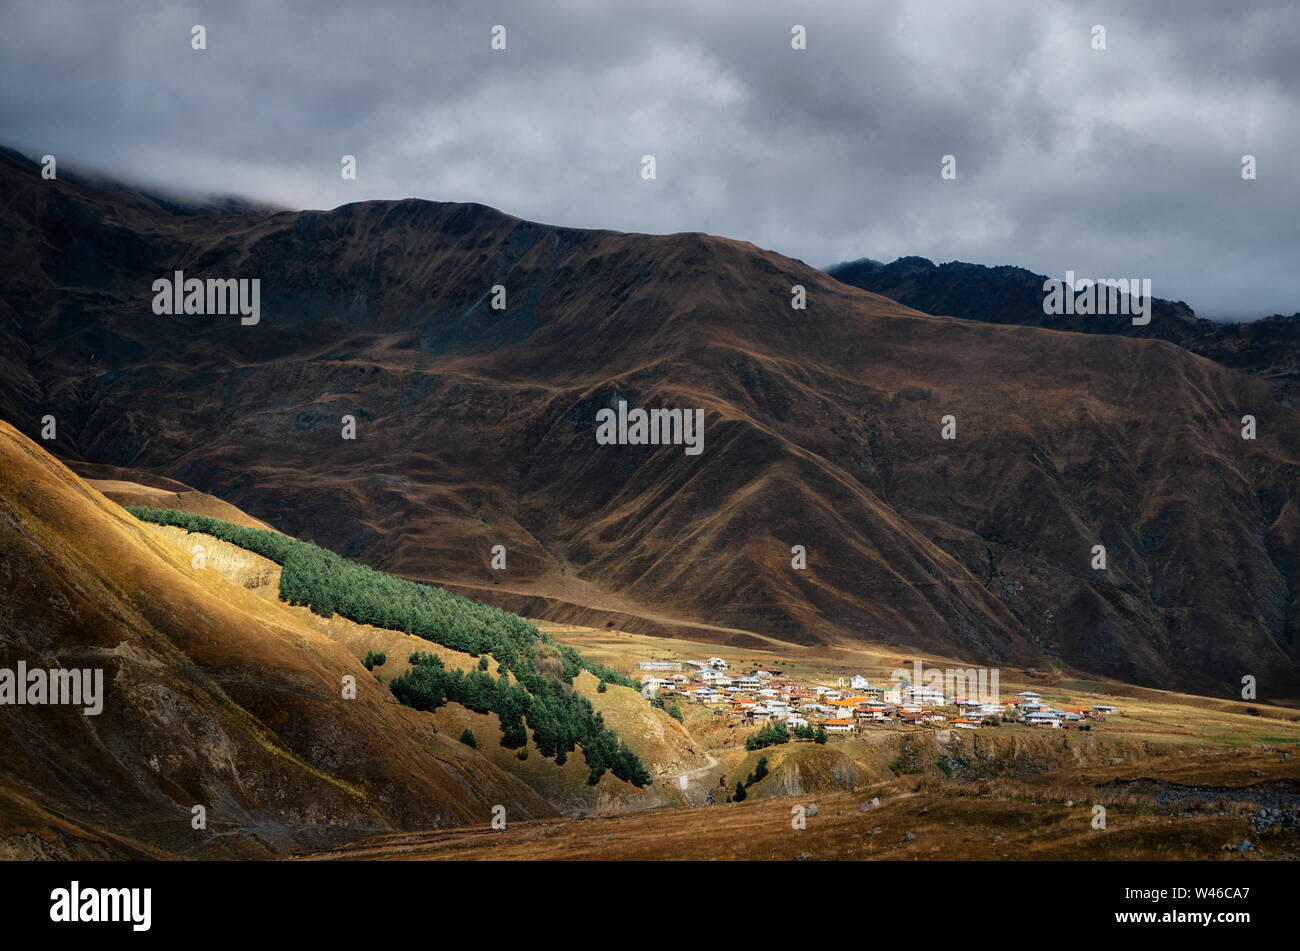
(1123, 162)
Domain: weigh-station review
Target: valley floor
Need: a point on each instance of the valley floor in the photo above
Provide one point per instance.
(915, 819)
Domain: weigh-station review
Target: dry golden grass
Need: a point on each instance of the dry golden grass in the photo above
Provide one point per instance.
(959, 824)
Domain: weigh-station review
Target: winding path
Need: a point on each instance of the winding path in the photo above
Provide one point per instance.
(690, 775)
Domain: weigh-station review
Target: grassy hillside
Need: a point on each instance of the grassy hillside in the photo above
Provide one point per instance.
(541, 692)
(213, 696)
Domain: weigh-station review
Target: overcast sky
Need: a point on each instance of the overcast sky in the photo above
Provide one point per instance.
(1117, 163)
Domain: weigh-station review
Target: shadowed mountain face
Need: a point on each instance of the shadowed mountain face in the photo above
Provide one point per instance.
(1269, 348)
(476, 427)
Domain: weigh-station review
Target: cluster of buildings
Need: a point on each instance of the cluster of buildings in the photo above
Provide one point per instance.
(1030, 710)
(764, 696)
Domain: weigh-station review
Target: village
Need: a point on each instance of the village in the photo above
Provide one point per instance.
(852, 705)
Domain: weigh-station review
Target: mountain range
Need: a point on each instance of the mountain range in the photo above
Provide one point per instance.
(475, 427)
(1268, 347)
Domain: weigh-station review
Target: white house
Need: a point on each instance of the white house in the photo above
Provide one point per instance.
(1043, 718)
(931, 696)
(717, 663)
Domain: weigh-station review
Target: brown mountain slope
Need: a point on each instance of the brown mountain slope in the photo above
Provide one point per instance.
(1268, 347)
(475, 427)
(213, 696)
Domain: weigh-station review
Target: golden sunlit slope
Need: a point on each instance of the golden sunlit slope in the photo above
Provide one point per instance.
(132, 487)
(212, 696)
(662, 744)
